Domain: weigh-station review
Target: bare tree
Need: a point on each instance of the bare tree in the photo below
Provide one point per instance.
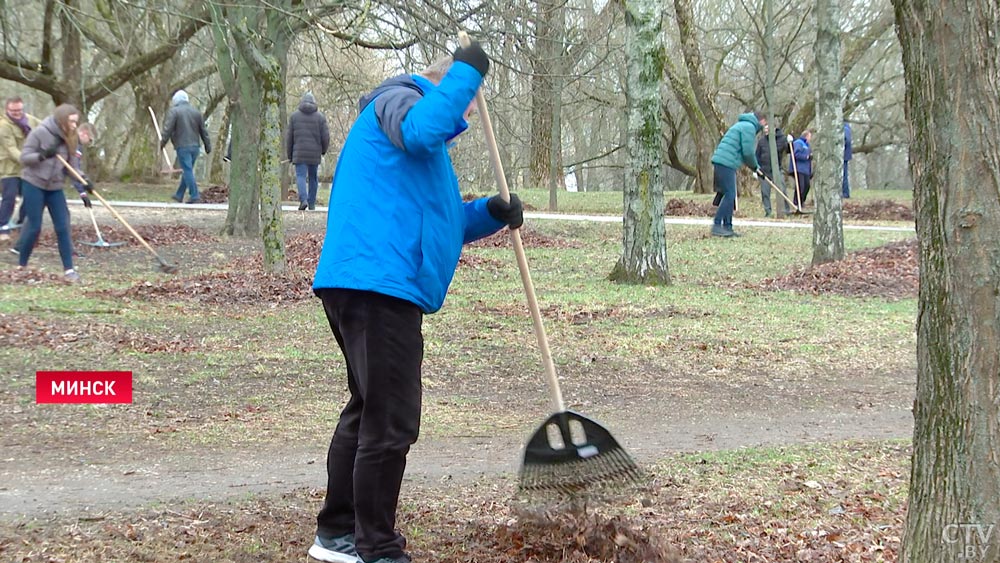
(644, 252)
(951, 59)
(828, 223)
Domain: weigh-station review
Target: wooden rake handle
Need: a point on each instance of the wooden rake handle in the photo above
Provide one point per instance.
(121, 220)
(777, 189)
(515, 238)
(159, 137)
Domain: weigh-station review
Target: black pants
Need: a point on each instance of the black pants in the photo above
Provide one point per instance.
(382, 343)
(805, 181)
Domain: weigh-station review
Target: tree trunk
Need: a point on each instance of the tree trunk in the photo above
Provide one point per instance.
(644, 253)
(543, 93)
(828, 165)
(72, 66)
(777, 202)
(270, 158)
(706, 123)
(144, 158)
(950, 61)
(216, 169)
(243, 213)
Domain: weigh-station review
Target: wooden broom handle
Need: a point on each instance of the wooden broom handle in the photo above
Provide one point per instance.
(80, 179)
(515, 238)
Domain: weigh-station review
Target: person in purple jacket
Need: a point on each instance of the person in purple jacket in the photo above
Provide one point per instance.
(394, 234)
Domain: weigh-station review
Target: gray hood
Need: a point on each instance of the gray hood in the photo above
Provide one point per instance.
(308, 103)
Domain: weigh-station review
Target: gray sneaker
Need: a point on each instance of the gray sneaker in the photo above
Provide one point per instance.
(72, 277)
(720, 231)
(335, 550)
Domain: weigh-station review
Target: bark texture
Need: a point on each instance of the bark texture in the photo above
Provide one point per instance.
(644, 255)
(950, 58)
(828, 165)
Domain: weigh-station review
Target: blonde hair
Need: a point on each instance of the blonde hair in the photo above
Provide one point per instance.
(437, 69)
(87, 128)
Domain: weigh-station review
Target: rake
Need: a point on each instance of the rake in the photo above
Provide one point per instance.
(168, 166)
(569, 452)
(100, 242)
(162, 265)
(775, 188)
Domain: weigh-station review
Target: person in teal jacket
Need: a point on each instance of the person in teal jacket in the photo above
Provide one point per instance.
(736, 148)
(395, 229)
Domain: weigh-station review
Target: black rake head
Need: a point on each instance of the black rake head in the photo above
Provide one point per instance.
(570, 453)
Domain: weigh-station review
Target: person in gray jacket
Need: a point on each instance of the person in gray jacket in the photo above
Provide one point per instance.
(42, 180)
(307, 140)
(184, 127)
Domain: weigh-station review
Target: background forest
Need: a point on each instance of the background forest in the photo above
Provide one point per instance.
(556, 89)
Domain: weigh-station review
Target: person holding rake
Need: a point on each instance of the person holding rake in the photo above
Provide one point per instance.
(42, 181)
(394, 234)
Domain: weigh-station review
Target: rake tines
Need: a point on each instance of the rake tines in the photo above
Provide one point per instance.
(570, 453)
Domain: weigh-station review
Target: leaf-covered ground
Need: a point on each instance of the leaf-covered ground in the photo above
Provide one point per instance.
(235, 365)
(839, 503)
(891, 272)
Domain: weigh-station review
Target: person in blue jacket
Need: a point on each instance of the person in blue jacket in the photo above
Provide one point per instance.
(395, 229)
(736, 148)
(802, 167)
(848, 155)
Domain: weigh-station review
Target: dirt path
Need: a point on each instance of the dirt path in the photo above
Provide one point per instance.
(51, 484)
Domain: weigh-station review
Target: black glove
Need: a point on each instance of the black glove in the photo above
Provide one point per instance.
(759, 173)
(511, 213)
(86, 201)
(48, 152)
(89, 186)
(474, 56)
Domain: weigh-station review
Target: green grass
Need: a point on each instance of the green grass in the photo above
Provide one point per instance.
(482, 339)
(605, 203)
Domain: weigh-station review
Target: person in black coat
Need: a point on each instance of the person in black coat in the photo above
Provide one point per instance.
(764, 159)
(307, 140)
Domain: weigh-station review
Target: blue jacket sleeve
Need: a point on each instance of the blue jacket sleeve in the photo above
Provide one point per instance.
(439, 114)
(478, 221)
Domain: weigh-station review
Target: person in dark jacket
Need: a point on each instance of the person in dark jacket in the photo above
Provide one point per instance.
(307, 140)
(185, 127)
(848, 155)
(801, 168)
(42, 180)
(735, 149)
(764, 159)
(394, 234)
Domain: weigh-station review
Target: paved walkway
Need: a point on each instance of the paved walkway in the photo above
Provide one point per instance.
(544, 216)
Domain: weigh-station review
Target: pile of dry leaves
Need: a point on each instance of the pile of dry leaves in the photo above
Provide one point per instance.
(215, 194)
(244, 281)
(877, 210)
(530, 237)
(687, 208)
(891, 272)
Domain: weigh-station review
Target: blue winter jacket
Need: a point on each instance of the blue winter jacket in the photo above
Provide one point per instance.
(397, 222)
(738, 144)
(801, 152)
